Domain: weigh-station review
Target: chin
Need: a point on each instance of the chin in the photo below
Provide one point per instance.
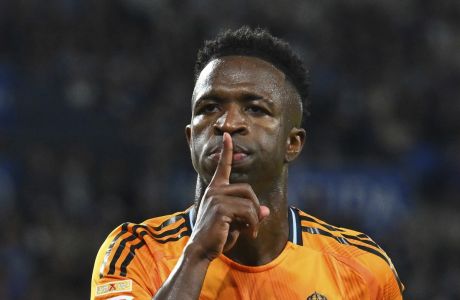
(236, 177)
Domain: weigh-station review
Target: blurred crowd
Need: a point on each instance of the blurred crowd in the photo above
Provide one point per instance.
(94, 97)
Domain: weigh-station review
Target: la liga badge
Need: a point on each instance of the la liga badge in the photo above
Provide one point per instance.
(316, 296)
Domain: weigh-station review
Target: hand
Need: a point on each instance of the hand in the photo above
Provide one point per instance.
(226, 210)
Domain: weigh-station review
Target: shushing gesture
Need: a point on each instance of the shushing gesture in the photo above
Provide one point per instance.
(226, 210)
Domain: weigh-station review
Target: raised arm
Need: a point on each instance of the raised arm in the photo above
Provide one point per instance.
(225, 211)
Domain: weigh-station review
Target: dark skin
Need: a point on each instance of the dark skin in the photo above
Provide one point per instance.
(243, 134)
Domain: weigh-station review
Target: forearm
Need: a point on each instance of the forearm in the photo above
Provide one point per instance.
(186, 279)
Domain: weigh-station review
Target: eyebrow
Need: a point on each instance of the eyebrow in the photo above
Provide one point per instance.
(243, 96)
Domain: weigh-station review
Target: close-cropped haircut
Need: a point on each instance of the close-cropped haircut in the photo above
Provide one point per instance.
(261, 44)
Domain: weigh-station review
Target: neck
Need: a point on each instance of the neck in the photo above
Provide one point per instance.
(273, 230)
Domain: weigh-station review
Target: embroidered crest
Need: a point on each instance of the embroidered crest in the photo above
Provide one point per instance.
(316, 296)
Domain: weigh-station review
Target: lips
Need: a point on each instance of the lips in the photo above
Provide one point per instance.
(237, 156)
(240, 153)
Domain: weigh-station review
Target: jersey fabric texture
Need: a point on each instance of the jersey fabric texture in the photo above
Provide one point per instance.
(319, 261)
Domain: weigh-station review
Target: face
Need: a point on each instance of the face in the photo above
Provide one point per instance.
(251, 100)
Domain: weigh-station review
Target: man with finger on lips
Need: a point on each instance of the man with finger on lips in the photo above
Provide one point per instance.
(241, 239)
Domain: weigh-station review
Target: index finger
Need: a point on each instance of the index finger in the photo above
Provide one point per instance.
(224, 166)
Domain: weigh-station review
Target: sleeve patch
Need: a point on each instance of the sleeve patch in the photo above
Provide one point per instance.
(122, 297)
(115, 287)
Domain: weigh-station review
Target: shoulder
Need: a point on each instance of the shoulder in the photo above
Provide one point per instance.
(352, 247)
(158, 230)
(168, 228)
(133, 246)
(136, 258)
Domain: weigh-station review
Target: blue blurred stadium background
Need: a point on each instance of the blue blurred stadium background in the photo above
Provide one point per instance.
(94, 96)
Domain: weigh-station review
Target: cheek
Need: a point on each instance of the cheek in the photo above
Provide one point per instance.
(196, 121)
(200, 126)
(273, 143)
(197, 136)
(198, 141)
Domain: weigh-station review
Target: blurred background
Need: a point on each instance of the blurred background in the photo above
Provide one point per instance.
(94, 97)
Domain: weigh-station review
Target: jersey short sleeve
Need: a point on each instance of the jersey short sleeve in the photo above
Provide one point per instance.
(354, 248)
(136, 259)
(110, 279)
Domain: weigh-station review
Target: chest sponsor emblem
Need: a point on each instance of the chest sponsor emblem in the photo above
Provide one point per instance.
(316, 296)
(114, 287)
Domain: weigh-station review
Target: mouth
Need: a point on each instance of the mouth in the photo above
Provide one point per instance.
(240, 154)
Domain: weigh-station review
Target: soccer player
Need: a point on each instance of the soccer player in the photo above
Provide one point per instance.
(241, 239)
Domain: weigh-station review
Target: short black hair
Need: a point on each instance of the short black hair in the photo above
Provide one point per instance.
(259, 43)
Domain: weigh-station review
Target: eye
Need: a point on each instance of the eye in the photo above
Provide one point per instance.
(208, 108)
(257, 110)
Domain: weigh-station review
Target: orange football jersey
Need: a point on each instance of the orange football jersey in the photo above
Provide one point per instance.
(319, 261)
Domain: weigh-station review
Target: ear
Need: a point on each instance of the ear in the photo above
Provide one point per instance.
(188, 134)
(295, 142)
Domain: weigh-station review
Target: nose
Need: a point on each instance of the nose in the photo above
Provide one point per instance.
(232, 121)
